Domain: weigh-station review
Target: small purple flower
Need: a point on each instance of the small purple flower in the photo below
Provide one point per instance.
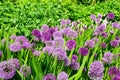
(63, 22)
(71, 44)
(113, 71)
(36, 53)
(0, 54)
(90, 43)
(66, 61)
(45, 28)
(74, 23)
(7, 70)
(93, 17)
(72, 34)
(15, 47)
(58, 42)
(103, 45)
(26, 45)
(46, 36)
(49, 43)
(114, 24)
(49, 77)
(104, 34)
(52, 30)
(60, 53)
(25, 70)
(75, 57)
(48, 49)
(96, 70)
(114, 43)
(83, 51)
(101, 28)
(110, 15)
(21, 39)
(117, 76)
(15, 62)
(62, 76)
(36, 33)
(57, 34)
(107, 58)
(74, 65)
(13, 37)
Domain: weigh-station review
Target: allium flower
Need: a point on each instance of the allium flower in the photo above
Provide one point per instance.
(72, 34)
(48, 49)
(62, 76)
(90, 43)
(15, 47)
(60, 53)
(58, 42)
(101, 28)
(52, 30)
(45, 36)
(96, 70)
(25, 70)
(45, 28)
(36, 33)
(66, 61)
(110, 15)
(103, 45)
(49, 77)
(63, 22)
(15, 62)
(75, 57)
(104, 34)
(13, 37)
(65, 30)
(0, 54)
(114, 24)
(117, 76)
(71, 44)
(74, 65)
(21, 39)
(36, 53)
(107, 58)
(57, 34)
(7, 70)
(83, 51)
(74, 23)
(113, 71)
(93, 17)
(49, 43)
(114, 43)
(26, 45)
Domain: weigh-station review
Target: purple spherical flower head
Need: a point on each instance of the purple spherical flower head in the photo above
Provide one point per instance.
(25, 70)
(110, 15)
(75, 57)
(15, 62)
(60, 53)
(74, 23)
(71, 44)
(83, 51)
(62, 76)
(49, 77)
(52, 30)
(117, 37)
(117, 76)
(26, 45)
(0, 54)
(36, 33)
(68, 21)
(36, 53)
(114, 43)
(96, 70)
(93, 17)
(13, 37)
(114, 24)
(45, 28)
(90, 43)
(21, 39)
(101, 28)
(103, 45)
(15, 47)
(72, 34)
(49, 43)
(66, 61)
(74, 65)
(58, 42)
(48, 49)
(107, 58)
(63, 22)
(113, 71)
(57, 34)
(104, 34)
(46, 36)
(7, 70)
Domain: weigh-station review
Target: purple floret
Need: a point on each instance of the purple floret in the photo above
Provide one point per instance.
(103, 45)
(36, 33)
(71, 44)
(110, 15)
(25, 70)
(62, 76)
(48, 49)
(15, 62)
(114, 43)
(15, 47)
(36, 53)
(90, 43)
(49, 76)
(107, 58)
(113, 71)
(83, 51)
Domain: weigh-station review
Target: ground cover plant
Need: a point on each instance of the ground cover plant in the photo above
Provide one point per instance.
(69, 51)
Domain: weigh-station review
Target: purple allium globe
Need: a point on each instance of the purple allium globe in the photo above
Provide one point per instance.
(58, 42)
(114, 43)
(103, 45)
(62, 76)
(7, 70)
(44, 28)
(15, 62)
(46, 36)
(36, 53)
(93, 17)
(26, 45)
(114, 24)
(48, 49)
(113, 71)
(71, 44)
(107, 58)
(74, 65)
(90, 43)
(25, 70)
(52, 30)
(83, 51)
(13, 37)
(72, 34)
(66, 61)
(75, 57)
(96, 70)
(36, 33)
(110, 15)
(21, 39)
(49, 77)
(15, 47)
(57, 34)
(117, 76)
(49, 43)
